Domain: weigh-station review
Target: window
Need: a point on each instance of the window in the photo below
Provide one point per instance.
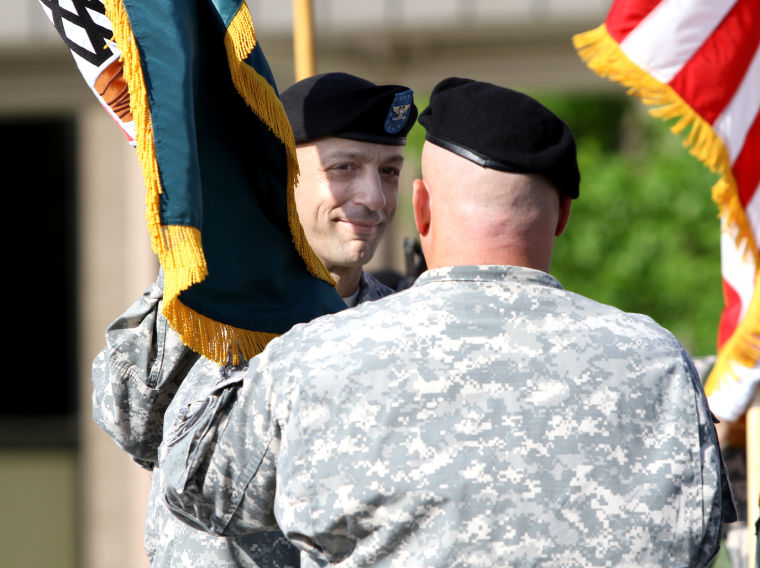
(39, 386)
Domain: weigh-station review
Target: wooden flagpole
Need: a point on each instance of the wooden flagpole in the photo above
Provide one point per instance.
(753, 473)
(303, 39)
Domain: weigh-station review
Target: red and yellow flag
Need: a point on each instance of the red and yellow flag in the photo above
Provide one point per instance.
(698, 62)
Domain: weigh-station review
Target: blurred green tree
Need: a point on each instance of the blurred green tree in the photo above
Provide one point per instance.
(644, 235)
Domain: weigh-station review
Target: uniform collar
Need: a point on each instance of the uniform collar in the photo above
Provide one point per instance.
(488, 273)
(370, 288)
(351, 300)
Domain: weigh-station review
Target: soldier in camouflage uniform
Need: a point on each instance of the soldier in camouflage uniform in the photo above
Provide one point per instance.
(345, 201)
(484, 417)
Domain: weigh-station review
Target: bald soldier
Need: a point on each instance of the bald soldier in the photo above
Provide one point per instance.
(349, 136)
(484, 417)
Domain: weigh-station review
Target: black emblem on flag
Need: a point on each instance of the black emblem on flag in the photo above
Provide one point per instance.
(81, 21)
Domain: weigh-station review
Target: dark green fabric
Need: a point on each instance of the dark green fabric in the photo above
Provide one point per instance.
(222, 170)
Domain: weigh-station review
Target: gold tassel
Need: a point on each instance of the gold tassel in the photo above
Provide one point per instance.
(743, 348)
(604, 56)
(222, 343)
(240, 40)
(178, 247)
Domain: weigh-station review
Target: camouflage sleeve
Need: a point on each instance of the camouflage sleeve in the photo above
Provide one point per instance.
(218, 460)
(136, 375)
(721, 508)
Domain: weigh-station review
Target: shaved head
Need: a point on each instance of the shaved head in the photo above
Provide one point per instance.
(468, 214)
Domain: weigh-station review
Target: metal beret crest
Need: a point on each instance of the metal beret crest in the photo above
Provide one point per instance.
(398, 112)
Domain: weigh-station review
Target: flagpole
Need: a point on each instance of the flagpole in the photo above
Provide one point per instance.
(753, 473)
(303, 39)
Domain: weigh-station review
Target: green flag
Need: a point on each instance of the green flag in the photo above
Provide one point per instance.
(219, 162)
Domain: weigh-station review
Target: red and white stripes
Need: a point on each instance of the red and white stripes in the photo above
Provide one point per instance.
(699, 61)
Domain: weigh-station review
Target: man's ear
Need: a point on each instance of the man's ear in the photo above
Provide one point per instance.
(421, 206)
(565, 203)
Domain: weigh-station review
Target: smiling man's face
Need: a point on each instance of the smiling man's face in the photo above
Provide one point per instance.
(346, 197)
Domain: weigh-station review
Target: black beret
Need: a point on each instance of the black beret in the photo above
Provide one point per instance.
(345, 106)
(502, 129)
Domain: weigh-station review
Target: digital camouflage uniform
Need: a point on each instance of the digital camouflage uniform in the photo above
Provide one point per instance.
(484, 417)
(135, 378)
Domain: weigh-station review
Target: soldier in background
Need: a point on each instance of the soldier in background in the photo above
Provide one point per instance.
(349, 136)
(483, 417)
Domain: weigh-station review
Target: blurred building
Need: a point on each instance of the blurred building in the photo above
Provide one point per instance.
(76, 241)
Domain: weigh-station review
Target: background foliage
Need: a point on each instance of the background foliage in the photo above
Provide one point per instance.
(644, 235)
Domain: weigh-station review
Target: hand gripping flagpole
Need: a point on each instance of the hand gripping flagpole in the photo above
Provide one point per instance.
(303, 39)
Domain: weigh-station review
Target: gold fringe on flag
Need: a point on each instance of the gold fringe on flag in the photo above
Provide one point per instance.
(604, 56)
(240, 41)
(179, 248)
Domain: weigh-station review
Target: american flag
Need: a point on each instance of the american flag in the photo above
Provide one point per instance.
(698, 62)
